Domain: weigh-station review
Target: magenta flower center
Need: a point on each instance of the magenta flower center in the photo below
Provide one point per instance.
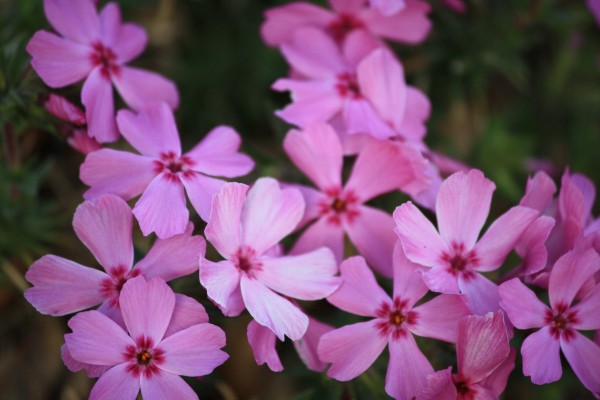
(106, 59)
(560, 321)
(463, 388)
(460, 262)
(343, 25)
(347, 86)
(111, 286)
(246, 260)
(173, 165)
(395, 318)
(143, 358)
(339, 205)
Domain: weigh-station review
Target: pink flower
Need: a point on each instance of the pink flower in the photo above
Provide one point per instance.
(61, 286)
(381, 167)
(560, 322)
(387, 7)
(243, 226)
(361, 83)
(96, 47)
(161, 173)
(353, 348)
(454, 255)
(142, 356)
(409, 25)
(485, 360)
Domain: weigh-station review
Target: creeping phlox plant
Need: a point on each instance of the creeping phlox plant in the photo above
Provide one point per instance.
(349, 97)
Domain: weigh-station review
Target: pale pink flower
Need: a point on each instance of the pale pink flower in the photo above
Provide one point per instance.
(560, 323)
(61, 286)
(408, 24)
(96, 47)
(142, 356)
(382, 166)
(353, 348)
(485, 360)
(243, 226)
(361, 84)
(454, 256)
(161, 173)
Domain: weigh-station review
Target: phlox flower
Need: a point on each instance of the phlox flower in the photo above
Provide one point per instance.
(353, 348)
(61, 286)
(142, 357)
(571, 310)
(339, 209)
(96, 47)
(361, 84)
(161, 173)
(453, 256)
(243, 226)
(485, 360)
(400, 20)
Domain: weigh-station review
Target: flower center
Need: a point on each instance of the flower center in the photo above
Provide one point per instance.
(347, 86)
(343, 25)
(560, 320)
(462, 386)
(106, 59)
(460, 262)
(339, 205)
(173, 165)
(246, 260)
(112, 285)
(395, 318)
(144, 357)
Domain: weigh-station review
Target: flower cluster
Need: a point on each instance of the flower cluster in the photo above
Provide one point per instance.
(352, 109)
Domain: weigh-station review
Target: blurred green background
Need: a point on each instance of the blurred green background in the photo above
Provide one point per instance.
(513, 83)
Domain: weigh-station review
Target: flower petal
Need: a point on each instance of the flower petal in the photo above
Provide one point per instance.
(584, 357)
(116, 380)
(483, 293)
(201, 189)
(539, 192)
(361, 117)
(411, 25)
(541, 357)
(140, 88)
(438, 318)
(262, 342)
(521, 305)
(531, 247)
(97, 97)
(308, 344)
(75, 20)
(187, 312)
(570, 273)
(221, 281)
(281, 22)
(418, 109)
(408, 278)
(224, 223)
(321, 233)
(439, 386)
(166, 386)
(588, 310)
(496, 382)
(407, 370)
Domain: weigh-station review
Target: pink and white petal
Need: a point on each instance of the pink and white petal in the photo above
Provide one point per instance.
(221, 280)
(59, 62)
(462, 206)
(130, 43)
(570, 273)
(187, 312)
(583, 356)
(201, 189)
(321, 233)
(482, 345)
(359, 293)
(147, 307)
(418, 109)
(103, 171)
(218, 154)
(496, 382)
(97, 97)
(317, 151)
(62, 286)
(308, 110)
(269, 214)
(308, 344)
(174, 257)
(372, 232)
(381, 81)
(588, 310)
(223, 228)
(351, 349)
(360, 117)
(408, 277)
(281, 22)
(104, 227)
(407, 370)
(152, 132)
(439, 386)
(308, 276)
(388, 7)
(539, 192)
(438, 318)
(116, 380)
(195, 351)
(369, 177)
(531, 246)
(411, 25)
(77, 20)
(541, 357)
(140, 88)
(502, 237)
(357, 45)
(273, 311)
(482, 293)
(521, 305)
(314, 54)
(262, 342)
(162, 207)
(166, 386)
(92, 371)
(96, 339)
(441, 280)
(420, 241)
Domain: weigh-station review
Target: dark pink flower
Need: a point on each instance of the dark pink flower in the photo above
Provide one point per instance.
(243, 226)
(96, 47)
(561, 322)
(353, 348)
(454, 256)
(161, 173)
(382, 166)
(62, 287)
(142, 356)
